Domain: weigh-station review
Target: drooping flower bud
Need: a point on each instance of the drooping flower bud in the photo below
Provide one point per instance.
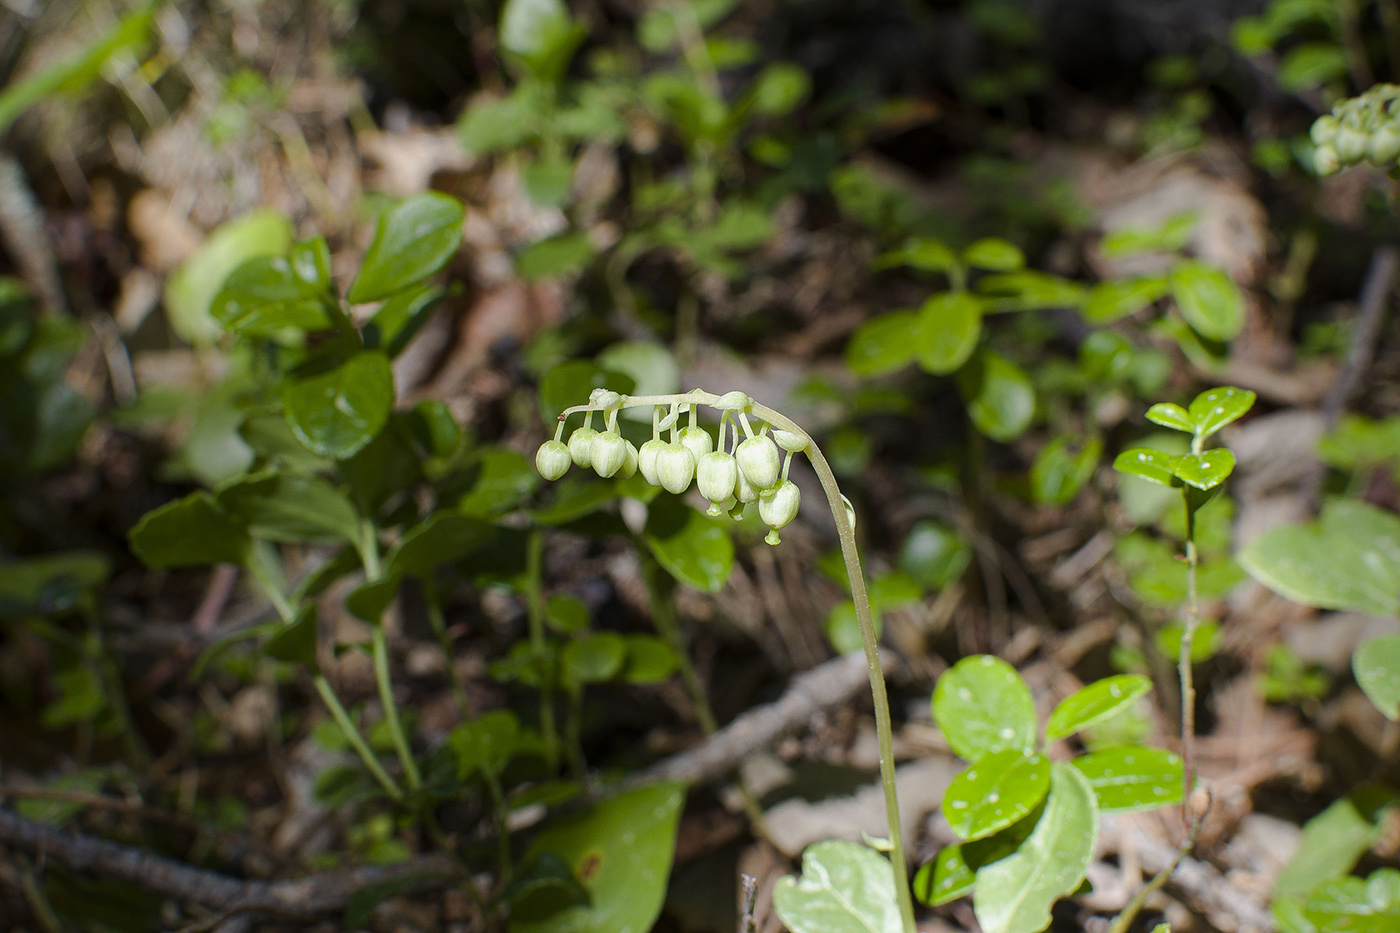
(696, 440)
(759, 461)
(581, 446)
(716, 475)
(608, 453)
(629, 463)
(778, 507)
(792, 443)
(744, 490)
(1350, 144)
(1383, 148)
(553, 459)
(732, 401)
(675, 467)
(646, 460)
(1326, 161)
(1324, 130)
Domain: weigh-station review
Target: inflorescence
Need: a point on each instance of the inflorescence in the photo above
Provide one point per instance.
(750, 470)
(1359, 128)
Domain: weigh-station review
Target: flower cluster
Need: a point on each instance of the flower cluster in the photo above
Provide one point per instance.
(749, 468)
(1359, 128)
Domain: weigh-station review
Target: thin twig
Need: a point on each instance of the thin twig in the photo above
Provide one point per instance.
(747, 922)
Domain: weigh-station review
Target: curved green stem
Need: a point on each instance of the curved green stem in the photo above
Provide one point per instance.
(368, 546)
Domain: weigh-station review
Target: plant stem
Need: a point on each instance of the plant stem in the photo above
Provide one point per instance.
(1124, 920)
(535, 612)
(379, 649)
(1183, 663)
(845, 529)
(439, 625)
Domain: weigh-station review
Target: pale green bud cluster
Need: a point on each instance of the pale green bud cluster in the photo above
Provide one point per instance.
(754, 469)
(1364, 128)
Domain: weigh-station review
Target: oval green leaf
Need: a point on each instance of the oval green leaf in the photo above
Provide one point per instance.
(1215, 408)
(189, 532)
(443, 538)
(695, 549)
(948, 328)
(415, 238)
(592, 659)
(1063, 468)
(486, 744)
(1132, 777)
(999, 396)
(983, 706)
(994, 254)
(844, 887)
(1171, 415)
(934, 554)
(1208, 299)
(884, 344)
(1155, 466)
(264, 295)
(1111, 301)
(291, 507)
(1098, 700)
(337, 405)
(1376, 665)
(997, 790)
(1204, 471)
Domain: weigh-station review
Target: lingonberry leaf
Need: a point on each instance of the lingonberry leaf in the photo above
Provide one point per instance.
(1204, 471)
(1376, 665)
(1098, 700)
(1155, 466)
(1132, 777)
(415, 238)
(995, 791)
(948, 327)
(1214, 408)
(336, 404)
(1170, 415)
(982, 706)
(1208, 299)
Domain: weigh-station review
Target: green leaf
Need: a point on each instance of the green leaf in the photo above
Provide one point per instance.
(50, 583)
(486, 744)
(923, 253)
(1208, 299)
(1170, 415)
(1376, 665)
(570, 383)
(311, 264)
(370, 600)
(1146, 463)
(885, 343)
(557, 256)
(649, 660)
(400, 318)
(999, 789)
(779, 89)
(1351, 905)
(651, 367)
(415, 238)
(295, 641)
(264, 296)
(947, 331)
(1000, 399)
(593, 659)
(191, 289)
(496, 124)
(1334, 841)
(189, 532)
(953, 872)
(934, 554)
(1060, 470)
(541, 34)
(1348, 559)
(844, 888)
(1310, 65)
(1028, 290)
(983, 706)
(292, 507)
(500, 480)
(1111, 301)
(994, 254)
(442, 538)
(1132, 777)
(1214, 408)
(1015, 894)
(59, 812)
(695, 549)
(621, 851)
(566, 614)
(1098, 700)
(336, 405)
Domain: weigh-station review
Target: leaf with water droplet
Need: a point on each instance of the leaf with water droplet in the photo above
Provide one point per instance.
(1169, 415)
(1214, 408)
(1097, 701)
(983, 706)
(1154, 466)
(1204, 471)
(1376, 665)
(997, 790)
(1132, 777)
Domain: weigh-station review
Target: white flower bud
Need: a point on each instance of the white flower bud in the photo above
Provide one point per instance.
(553, 459)
(792, 443)
(1326, 161)
(675, 466)
(1383, 147)
(744, 491)
(778, 507)
(1350, 144)
(646, 460)
(608, 453)
(759, 461)
(696, 440)
(1324, 130)
(629, 464)
(603, 398)
(581, 446)
(716, 474)
(731, 401)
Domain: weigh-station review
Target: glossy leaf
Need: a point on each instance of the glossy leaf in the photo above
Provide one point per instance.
(994, 254)
(844, 888)
(1132, 777)
(190, 290)
(1111, 301)
(999, 789)
(264, 296)
(291, 507)
(1351, 905)
(1146, 463)
(1028, 290)
(1204, 471)
(541, 34)
(694, 548)
(953, 872)
(1376, 665)
(922, 253)
(593, 659)
(557, 256)
(885, 343)
(189, 532)
(337, 405)
(1208, 299)
(1170, 415)
(1333, 841)
(983, 706)
(1015, 894)
(443, 538)
(999, 396)
(1063, 468)
(1213, 409)
(1348, 559)
(414, 239)
(1098, 700)
(621, 852)
(947, 331)
(295, 642)
(500, 479)
(401, 317)
(934, 554)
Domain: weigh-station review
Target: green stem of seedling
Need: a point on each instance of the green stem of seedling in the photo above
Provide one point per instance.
(379, 650)
(498, 803)
(535, 613)
(1183, 664)
(845, 530)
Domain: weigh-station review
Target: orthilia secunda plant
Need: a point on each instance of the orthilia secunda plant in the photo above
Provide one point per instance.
(1364, 128)
(749, 464)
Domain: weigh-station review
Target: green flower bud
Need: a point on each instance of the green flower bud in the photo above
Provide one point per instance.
(717, 475)
(1326, 161)
(581, 445)
(608, 453)
(732, 401)
(759, 461)
(1350, 144)
(675, 467)
(778, 507)
(553, 459)
(1383, 148)
(696, 440)
(792, 443)
(629, 464)
(646, 460)
(744, 491)
(1324, 130)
